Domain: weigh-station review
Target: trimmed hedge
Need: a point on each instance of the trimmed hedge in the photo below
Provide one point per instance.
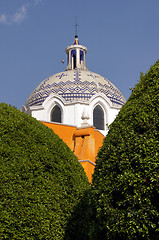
(125, 192)
(41, 180)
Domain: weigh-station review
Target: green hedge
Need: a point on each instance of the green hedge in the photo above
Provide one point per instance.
(125, 192)
(41, 181)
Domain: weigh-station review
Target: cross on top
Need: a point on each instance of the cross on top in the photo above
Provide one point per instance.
(76, 25)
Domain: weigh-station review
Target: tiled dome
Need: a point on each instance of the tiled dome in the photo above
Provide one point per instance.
(75, 85)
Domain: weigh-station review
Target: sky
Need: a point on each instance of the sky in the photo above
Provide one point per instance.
(122, 38)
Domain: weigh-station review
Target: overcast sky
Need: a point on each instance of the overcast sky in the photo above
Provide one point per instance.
(122, 37)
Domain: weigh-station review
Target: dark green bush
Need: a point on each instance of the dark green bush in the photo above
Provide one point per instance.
(80, 220)
(41, 180)
(125, 192)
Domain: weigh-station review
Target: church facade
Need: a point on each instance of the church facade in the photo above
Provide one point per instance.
(78, 105)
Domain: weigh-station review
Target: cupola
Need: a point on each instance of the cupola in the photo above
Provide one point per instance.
(76, 55)
(76, 96)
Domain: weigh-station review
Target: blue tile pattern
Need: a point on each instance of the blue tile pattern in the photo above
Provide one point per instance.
(75, 89)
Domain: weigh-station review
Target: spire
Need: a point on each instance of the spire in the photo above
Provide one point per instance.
(76, 42)
(76, 53)
(76, 25)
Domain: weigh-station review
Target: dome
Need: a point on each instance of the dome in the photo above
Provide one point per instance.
(75, 85)
(76, 96)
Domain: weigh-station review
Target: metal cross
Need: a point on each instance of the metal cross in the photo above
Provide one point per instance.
(76, 25)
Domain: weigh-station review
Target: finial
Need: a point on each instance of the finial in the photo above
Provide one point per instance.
(76, 25)
(85, 117)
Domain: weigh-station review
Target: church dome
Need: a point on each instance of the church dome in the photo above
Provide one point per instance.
(75, 85)
(76, 96)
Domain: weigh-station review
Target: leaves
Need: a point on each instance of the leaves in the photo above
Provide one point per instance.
(40, 179)
(126, 175)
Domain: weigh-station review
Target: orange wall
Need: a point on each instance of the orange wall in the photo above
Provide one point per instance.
(84, 142)
(98, 141)
(63, 131)
(89, 169)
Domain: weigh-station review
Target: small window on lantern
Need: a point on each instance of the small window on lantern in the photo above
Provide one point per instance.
(81, 55)
(73, 54)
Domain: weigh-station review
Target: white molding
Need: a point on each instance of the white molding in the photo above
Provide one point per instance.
(87, 160)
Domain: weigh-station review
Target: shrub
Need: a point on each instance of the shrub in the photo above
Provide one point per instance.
(125, 192)
(41, 180)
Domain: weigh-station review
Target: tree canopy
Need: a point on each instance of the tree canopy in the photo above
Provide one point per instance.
(41, 180)
(125, 192)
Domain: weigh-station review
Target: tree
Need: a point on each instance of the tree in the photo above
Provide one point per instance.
(125, 192)
(41, 180)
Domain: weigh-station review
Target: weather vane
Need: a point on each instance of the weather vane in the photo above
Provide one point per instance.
(76, 25)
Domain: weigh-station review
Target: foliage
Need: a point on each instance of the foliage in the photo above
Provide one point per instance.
(125, 192)
(79, 223)
(41, 180)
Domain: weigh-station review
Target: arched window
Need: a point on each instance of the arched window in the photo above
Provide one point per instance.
(81, 55)
(73, 54)
(56, 114)
(98, 118)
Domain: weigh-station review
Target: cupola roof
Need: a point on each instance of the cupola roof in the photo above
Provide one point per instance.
(76, 42)
(77, 83)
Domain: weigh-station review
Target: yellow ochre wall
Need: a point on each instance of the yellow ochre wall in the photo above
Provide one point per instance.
(84, 142)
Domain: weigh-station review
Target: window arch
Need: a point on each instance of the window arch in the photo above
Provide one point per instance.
(73, 54)
(98, 117)
(56, 114)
